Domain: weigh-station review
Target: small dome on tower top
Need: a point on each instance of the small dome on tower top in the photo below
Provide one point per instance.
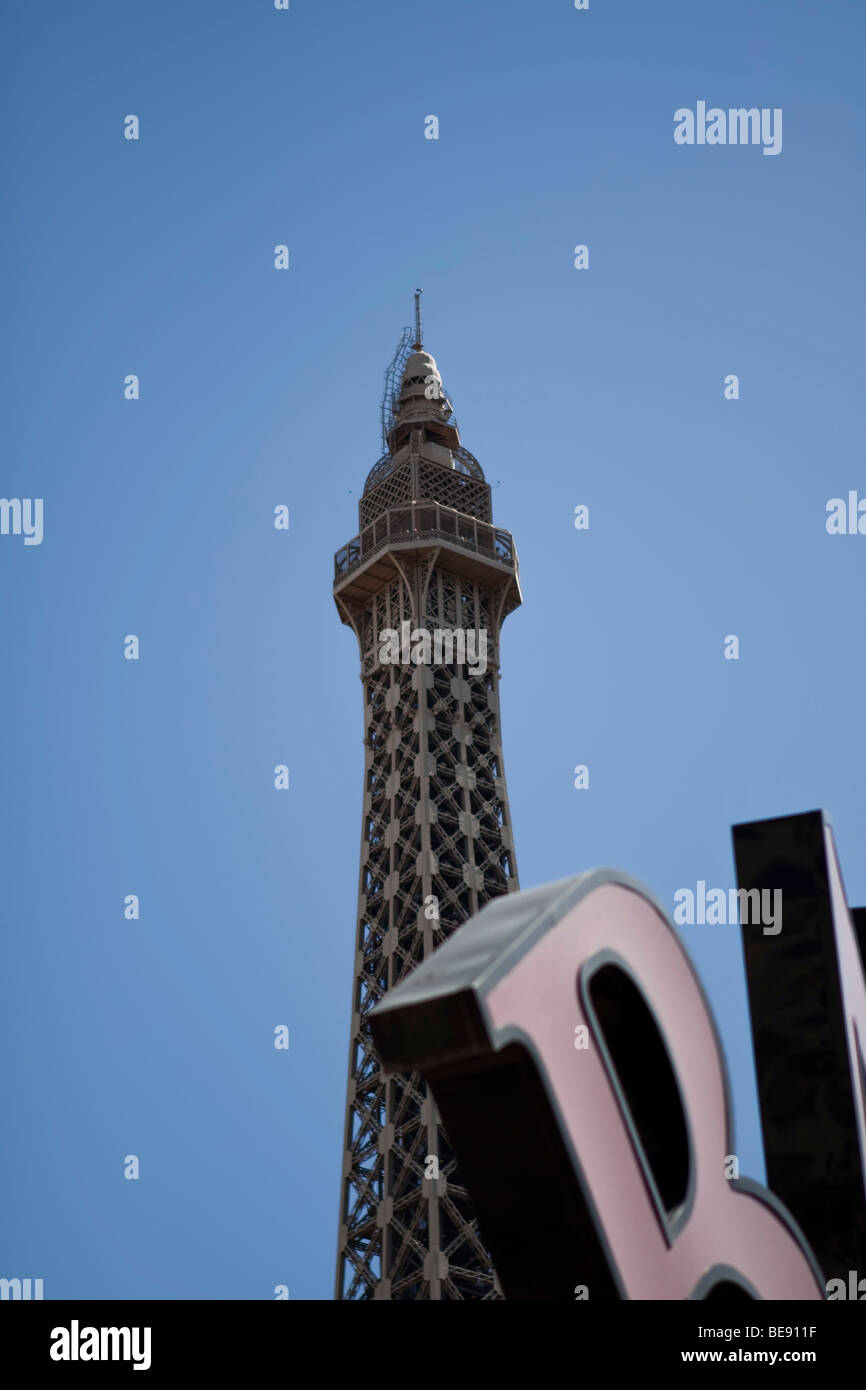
(420, 364)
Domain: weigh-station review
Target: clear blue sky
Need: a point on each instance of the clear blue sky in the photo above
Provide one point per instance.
(261, 387)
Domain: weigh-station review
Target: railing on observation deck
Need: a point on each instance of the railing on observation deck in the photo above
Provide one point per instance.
(423, 521)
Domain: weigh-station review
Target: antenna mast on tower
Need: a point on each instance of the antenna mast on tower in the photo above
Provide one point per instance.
(417, 345)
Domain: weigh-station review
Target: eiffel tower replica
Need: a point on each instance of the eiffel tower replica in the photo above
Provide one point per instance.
(436, 840)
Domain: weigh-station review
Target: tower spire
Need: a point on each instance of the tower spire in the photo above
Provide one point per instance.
(436, 841)
(418, 343)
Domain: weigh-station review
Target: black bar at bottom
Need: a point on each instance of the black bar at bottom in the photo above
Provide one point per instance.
(220, 1339)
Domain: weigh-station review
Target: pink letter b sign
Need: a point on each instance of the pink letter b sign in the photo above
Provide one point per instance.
(581, 1082)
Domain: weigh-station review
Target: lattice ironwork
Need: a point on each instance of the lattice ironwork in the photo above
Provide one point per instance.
(453, 489)
(396, 485)
(463, 462)
(436, 844)
(418, 480)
